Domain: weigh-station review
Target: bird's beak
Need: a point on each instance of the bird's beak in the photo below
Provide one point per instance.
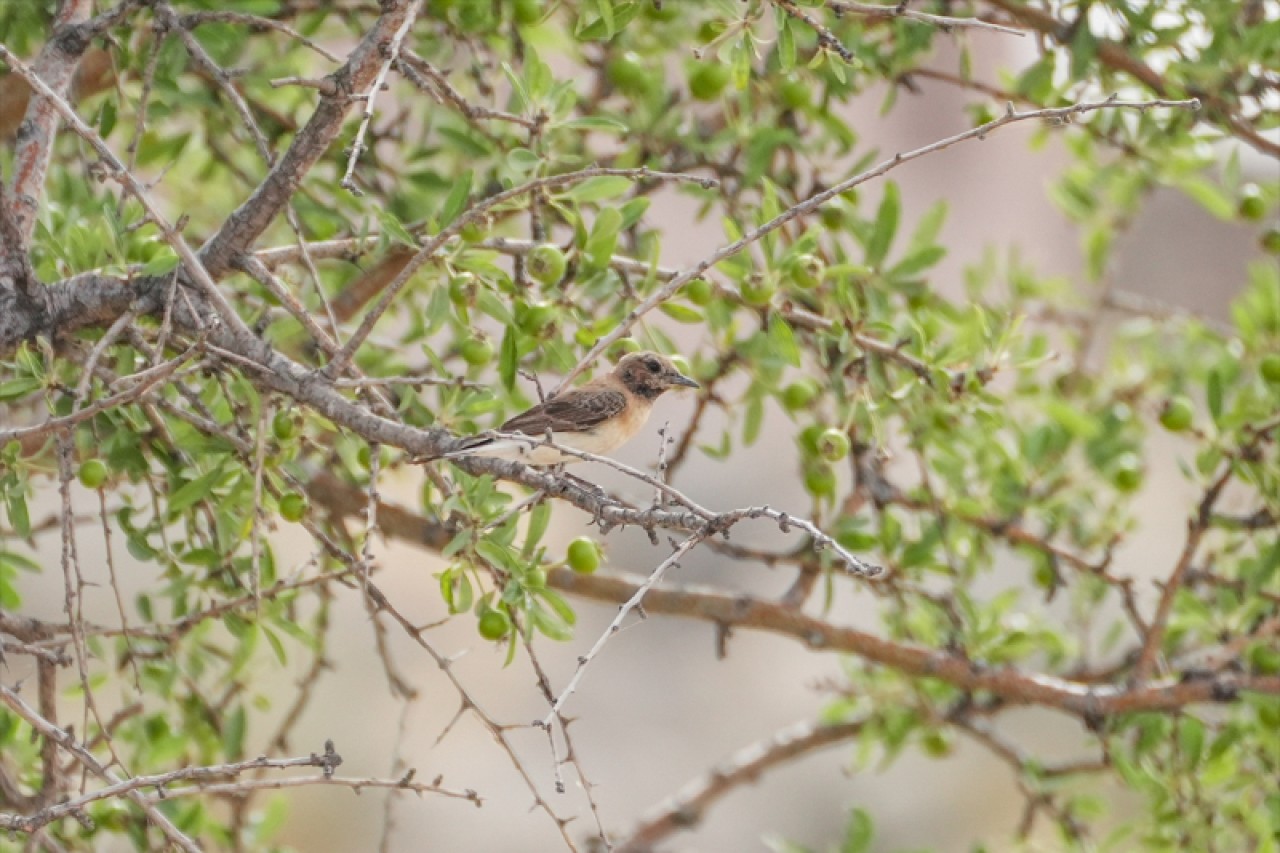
(680, 379)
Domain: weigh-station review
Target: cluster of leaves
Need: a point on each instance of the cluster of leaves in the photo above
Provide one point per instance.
(833, 319)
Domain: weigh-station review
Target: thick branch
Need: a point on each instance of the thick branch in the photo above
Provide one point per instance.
(247, 223)
(1011, 685)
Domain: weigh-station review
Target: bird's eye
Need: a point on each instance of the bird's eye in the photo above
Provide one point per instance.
(651, 364)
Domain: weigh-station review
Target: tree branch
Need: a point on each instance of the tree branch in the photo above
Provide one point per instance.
(684, 809)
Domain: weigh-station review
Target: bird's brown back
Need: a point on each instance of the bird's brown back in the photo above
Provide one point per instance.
(576, 410)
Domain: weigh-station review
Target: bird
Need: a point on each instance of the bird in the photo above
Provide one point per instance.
(596, 417)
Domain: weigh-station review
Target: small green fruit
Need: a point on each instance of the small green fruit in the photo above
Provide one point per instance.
(1271, 241)
(546, 264)
(794, 94)
(800, 394)
(708, 79)
(293, 506)
(526, 12)
(462, 288)
(809, 438)
(758, 290)
(283, 426)
(583, 555)
(1177, 414)
(833, 445)
(806, 270)
(820, 481)
(628, 74)
(535, 317)
(93, 473)
(1126, 476)
(936, 744)
(837, 213)
(1270, 369)
(699, 291)
(1252, 205)
(476, 351)
(494, 624)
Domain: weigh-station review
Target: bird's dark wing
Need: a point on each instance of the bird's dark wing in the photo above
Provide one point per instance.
(578, 410)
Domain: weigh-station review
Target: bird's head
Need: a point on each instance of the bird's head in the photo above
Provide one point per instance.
(647, 374)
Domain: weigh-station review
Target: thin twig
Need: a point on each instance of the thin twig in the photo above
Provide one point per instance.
(379, 81)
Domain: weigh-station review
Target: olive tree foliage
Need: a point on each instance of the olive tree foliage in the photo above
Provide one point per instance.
(257, 256)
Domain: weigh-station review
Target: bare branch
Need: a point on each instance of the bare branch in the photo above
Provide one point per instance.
(379, 80)
(684, 809)
(946, 23)
(84, 757)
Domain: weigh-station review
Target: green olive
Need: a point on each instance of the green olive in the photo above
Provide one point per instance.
(820, 481)
(806, 270)
(794, 94)
(583, 555)
(708, 79)
(1270, 369)
(833, 445)
(1252, 205)
(800, 394)
(699, 291)
(476, 351)
(494, 624)
(1126, 474)
(628, 73)
(758, 289)
(293, 506)
(93, 473)
(546, 264)
(283, 426)
(1177, 414)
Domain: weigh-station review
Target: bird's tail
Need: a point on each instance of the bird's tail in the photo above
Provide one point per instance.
(465, 447)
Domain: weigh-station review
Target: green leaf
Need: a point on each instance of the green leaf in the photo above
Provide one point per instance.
(786, 41)
(916, 262)
(680, 313)
(782, 341)
(605, 7)
(603, 239)
(752, 421)
(509, 359)
(194, 491)
(234, 727)
(457, 199)
(1209, 196)
(394, 228)
(1213, 393)
(561, 607)
(19, 516)
(858, 832)
(13, 389)
(886, 226)
(539, 518)
(603, 123)
(162, 264)
(599, 188)
(549, 623)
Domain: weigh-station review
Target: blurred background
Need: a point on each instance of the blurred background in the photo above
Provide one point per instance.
(658, 708)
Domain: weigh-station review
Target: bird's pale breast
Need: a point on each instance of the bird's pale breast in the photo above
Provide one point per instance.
(600, 439)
